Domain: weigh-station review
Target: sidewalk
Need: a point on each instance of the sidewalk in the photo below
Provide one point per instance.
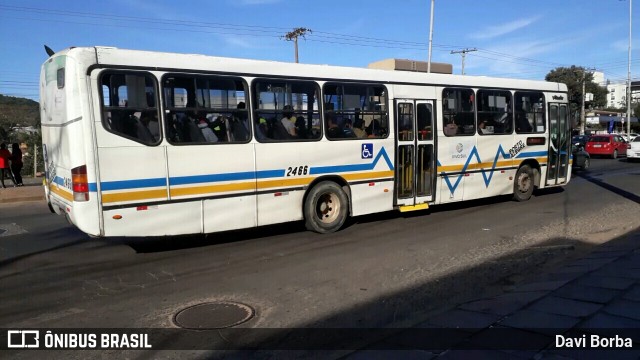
(596, 295)
(31, 191)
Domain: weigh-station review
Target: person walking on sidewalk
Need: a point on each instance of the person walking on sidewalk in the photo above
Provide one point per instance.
(16, 163)
(5, 157)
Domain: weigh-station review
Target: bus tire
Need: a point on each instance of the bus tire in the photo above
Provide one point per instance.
(523, 184)
(326, 208)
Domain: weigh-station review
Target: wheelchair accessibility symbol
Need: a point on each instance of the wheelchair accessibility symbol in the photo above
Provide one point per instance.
(367, 151)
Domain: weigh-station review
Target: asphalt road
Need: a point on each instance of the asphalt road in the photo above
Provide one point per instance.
(382, 270)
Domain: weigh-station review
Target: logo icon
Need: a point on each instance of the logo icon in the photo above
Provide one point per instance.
(367, 151)
(459, 148)
(20, 339)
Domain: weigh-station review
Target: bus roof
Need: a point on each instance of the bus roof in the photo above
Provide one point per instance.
(111, 56)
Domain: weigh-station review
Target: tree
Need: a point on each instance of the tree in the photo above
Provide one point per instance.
(573, 78)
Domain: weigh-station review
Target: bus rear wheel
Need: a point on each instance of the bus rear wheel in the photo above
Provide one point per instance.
(523, 184)
(326, 208)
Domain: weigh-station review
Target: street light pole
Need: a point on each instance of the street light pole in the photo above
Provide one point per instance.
(629, 80)
(430, 36)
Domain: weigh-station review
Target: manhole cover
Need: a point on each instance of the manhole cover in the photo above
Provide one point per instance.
(215, 315)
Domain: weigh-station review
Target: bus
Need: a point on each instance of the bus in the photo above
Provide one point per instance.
(140, 143)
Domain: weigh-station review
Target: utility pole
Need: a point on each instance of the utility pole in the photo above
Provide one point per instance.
(464, 54)
(584, 96)
(430, 36)
(35, 160)
(293, 36)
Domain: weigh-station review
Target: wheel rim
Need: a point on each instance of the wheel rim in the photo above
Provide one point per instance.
(524, 182)
(328, 208)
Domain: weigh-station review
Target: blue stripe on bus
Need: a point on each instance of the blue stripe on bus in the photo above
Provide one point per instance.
(356, 167)
(132, 184)
(194, 179)
(532, 154)
(246, 175)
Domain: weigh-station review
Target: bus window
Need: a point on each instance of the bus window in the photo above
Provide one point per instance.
(458, 108)
(495, 115)
(530, 117)
(129, 106)
(356, 111)
(205, 109)
(424, 118)
(286, 110)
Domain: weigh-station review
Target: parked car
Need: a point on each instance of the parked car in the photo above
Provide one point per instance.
(581, 158)
(580, 139)
(624, 136)
(633, 152)
(606, 144)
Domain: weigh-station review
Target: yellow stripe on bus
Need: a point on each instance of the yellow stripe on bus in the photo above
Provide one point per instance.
(285, 182)
(135, 195)
(208, 189)
(368, 175)
(62, 193)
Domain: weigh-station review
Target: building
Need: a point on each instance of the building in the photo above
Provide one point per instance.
(617, 96)
(411, 65)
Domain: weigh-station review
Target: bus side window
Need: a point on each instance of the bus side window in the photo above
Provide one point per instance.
(458, 111)
(205, 109)
(356, 110)
(129, 106)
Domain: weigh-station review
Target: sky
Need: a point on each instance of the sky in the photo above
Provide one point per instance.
(512, 38)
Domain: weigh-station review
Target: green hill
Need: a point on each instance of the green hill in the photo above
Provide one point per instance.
(15, 111)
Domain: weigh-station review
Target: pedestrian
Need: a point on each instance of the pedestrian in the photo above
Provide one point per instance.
(16, 163)
(5, 157)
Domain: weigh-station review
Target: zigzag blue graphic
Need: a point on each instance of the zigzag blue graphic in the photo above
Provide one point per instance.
(487, 179)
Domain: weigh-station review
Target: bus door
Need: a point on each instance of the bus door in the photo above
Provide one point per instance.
(559, 144)
(415, 156)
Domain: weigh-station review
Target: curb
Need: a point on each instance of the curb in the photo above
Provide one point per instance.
(22, 199)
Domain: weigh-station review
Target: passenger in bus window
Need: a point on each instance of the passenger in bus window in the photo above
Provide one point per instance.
(220, 128)
(195, 135)
(333, 130)
(150, 120)
(301, 127)
(262, 130)
(358, 128)
(239, 127)
(208, 134)
(288, 120)
(522, 124)
(481, 127)
(348, 129)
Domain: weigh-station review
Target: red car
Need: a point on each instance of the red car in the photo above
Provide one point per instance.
(606, 144)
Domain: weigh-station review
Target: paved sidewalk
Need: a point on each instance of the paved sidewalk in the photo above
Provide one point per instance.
(31, 191)
(596, 295)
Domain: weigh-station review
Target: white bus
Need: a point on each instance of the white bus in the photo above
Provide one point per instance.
(148, 144)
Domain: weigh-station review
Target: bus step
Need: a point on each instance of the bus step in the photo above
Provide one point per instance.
(408, 208)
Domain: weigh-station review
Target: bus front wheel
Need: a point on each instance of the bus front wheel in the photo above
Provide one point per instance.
(523, 184)
(326, 208)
